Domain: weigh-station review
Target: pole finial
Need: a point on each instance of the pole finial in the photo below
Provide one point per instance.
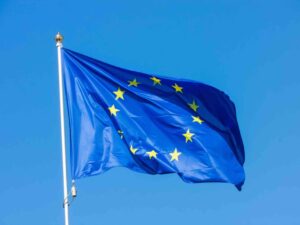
(58, 38)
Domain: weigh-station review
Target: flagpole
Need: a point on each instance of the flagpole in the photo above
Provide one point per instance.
(59, 39)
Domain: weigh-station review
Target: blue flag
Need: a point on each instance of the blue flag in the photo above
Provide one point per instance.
(149, 123)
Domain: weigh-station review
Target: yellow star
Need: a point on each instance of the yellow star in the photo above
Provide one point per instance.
(188, 136)
(152, 154)
(177, 88)
(175, 155)
(119, 94)
(155, 80)
(194, 106)
(113, 110)
(121, 134)
(133, 83)
(197, 119)
(133, 150)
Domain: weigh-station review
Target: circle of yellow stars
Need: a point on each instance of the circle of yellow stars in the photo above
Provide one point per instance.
(188, 135)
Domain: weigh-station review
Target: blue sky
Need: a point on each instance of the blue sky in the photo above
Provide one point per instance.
(249, 49)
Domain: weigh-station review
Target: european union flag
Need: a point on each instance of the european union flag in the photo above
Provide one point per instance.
(149, 123)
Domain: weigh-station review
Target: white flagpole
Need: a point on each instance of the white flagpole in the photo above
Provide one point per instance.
(59, 39)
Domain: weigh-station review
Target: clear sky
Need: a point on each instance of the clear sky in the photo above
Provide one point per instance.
(249, 49)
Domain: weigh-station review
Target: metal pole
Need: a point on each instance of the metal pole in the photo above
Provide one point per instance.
(59, 39)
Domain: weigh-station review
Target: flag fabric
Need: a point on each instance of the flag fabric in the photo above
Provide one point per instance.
(149, 123)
